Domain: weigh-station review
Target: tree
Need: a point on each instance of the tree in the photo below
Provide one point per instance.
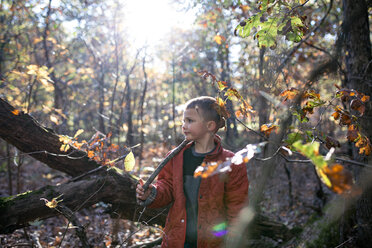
(90, 184)
(359, 77)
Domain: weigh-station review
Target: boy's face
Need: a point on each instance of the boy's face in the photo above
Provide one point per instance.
(194, 126)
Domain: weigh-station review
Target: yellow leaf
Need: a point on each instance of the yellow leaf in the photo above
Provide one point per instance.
(78, 132)
(64, 139)
(54, 119)
(51, 204)
(64, 148)
(52, 40)
(37, 40)
(219, 39)
(44, 81)
(129, 162)
(323, 176)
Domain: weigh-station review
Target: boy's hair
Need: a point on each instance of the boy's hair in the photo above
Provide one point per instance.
(208, 106)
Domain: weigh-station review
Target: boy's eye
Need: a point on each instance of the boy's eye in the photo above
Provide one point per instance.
(188, 121)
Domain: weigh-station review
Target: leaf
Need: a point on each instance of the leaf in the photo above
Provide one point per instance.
(78, 132)
(352, 133)
(336, 178)
(365, 98)
(221, 85)
(311, 150)
(345, 118)
(230, 93)
(90, 154)
(268, 128)
(221, 109)
(206, 169)
(15, 112)
(323, 176)
(64, 147)
(54, 119)
(290, 94)
(267, 35)
(219, 39)
(129, 162)
(32, 69)
(358, 105)
(53, 203)
(64, 139)
(293, 137)
(364, 145)
(244, 28)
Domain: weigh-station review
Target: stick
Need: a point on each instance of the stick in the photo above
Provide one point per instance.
(163, 163)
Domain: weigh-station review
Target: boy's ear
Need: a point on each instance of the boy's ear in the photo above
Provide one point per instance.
(211, 125)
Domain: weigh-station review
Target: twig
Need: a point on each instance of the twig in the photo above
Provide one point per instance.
(281, 66)
(80, 232)
(86, 173)
(250, 129)
(81, 205)
(163, 163)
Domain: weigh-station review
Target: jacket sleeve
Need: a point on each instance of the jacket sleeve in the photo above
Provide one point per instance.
(164, 187)
(236, 191)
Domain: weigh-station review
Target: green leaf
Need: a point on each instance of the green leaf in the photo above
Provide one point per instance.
(311, 150)
(129, 162)
(296, 22)
(244, 28)
(293, 137)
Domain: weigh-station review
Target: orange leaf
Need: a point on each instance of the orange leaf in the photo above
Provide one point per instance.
(345, 119)
(221, 109)
(341, 180)
(352, 133)
(233, 92)
(90, 154)
(336, 115)
(15, 112)
(290, 94)
(358, 105)
(239, 114)
(365, 98)
(268, 128)
(364, 145)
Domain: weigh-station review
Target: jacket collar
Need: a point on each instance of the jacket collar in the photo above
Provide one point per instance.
(215, 153)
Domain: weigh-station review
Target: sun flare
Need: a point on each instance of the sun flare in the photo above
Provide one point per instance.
(148, 21)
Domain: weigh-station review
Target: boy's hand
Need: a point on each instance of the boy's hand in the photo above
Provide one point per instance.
(140, 192)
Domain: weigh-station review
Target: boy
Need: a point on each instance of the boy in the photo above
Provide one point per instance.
(201, 208)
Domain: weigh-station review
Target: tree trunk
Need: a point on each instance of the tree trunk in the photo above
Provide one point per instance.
(263, 107)
(143, 97)
(29, 136)
(359, 77)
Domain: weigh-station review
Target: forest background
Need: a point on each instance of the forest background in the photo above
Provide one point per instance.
(292, 78)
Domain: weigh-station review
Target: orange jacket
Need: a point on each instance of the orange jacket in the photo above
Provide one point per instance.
(220, 199)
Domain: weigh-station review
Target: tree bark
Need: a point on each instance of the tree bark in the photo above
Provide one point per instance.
(358, 62)
(29, 136)
(25, 133)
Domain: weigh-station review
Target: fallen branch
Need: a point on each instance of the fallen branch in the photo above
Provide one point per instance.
(163, 163)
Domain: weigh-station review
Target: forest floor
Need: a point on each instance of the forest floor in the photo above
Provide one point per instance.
(291, 202)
